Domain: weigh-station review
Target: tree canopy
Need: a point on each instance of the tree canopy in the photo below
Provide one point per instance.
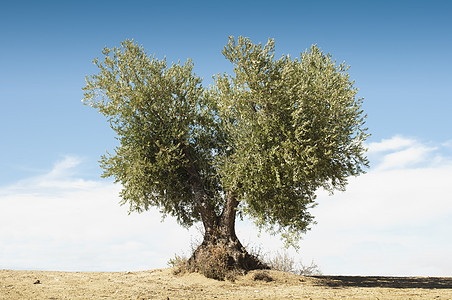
(259, 142)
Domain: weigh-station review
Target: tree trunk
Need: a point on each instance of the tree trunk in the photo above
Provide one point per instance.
(220, 248)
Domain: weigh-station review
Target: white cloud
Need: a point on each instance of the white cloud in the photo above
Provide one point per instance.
(399, 153)
(61, 178)
(447, 144)
(394, 220)
(61, 222)
(406, 157)
(391, 144)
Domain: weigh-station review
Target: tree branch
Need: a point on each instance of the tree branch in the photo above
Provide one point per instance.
(206, 210)
(227, 218)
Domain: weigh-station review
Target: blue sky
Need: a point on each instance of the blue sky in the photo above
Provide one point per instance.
(395, 219)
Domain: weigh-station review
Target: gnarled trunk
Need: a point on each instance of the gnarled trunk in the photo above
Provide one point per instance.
(220, 246)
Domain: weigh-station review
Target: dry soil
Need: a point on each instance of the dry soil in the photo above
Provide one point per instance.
(163, 284)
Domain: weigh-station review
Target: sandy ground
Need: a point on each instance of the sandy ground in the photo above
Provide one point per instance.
(163, 284)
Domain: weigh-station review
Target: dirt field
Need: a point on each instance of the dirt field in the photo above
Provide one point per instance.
(162, 284)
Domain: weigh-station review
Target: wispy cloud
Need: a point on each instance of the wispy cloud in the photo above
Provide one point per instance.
(395, 143)
(61, 177)
(447, 144)
(400, 153)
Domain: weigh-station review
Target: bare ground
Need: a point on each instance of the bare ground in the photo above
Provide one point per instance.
(163, 284)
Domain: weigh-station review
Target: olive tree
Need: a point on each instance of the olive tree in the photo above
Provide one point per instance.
(258, 143)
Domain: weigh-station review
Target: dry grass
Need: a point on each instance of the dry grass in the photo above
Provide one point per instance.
(212, 262)
(281, 261)
(163, 284)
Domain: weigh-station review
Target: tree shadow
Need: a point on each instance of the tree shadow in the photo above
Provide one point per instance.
(386, 282)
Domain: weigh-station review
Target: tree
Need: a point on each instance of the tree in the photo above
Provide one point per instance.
(258, 143)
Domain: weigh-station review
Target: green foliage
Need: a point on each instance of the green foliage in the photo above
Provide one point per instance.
(158, 113)
(272, 134)
(295, 126)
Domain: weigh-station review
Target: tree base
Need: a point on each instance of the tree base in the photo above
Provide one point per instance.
(218, 258)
